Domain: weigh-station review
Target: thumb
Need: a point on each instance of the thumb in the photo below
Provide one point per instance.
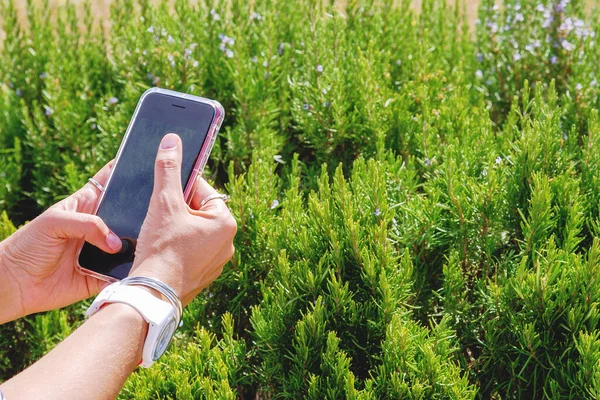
(167, 171)
(74, 225)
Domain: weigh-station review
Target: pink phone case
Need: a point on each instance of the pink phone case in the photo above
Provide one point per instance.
(211, 137)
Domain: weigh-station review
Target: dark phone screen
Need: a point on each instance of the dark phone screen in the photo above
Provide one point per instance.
(127, 196)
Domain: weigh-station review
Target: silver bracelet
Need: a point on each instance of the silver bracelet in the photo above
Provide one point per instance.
(161, 287)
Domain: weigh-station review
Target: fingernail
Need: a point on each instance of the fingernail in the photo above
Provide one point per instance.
(169, 141)
(113, 241)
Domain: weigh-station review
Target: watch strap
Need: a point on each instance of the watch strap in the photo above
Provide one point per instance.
(156, 312)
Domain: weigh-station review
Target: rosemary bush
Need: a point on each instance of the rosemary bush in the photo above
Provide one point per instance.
(417, 201)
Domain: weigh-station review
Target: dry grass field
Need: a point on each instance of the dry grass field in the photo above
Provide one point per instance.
(101, 7)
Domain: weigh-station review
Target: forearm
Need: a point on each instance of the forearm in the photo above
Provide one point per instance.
(93, 363)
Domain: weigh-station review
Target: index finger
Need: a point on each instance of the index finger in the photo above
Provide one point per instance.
(84, 200)
(202, 191)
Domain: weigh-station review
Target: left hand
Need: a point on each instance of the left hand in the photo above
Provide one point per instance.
(38, 261)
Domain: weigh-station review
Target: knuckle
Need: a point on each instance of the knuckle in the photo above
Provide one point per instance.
(94, 222)
(167, 163)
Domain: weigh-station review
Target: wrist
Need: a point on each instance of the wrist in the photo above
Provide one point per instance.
(130, 323)
(157, 269)
(11, 295)
(162, 317)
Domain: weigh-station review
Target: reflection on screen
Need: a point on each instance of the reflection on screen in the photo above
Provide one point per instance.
(126, 201)
(127, 196)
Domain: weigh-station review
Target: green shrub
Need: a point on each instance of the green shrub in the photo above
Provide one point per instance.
(418, 206)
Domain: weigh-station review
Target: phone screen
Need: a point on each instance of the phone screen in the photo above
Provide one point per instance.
(128, 193)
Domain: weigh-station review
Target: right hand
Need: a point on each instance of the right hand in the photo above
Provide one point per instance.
(183, 246)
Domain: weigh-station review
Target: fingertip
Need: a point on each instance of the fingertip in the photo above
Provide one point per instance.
(113, 242)
(170, 141)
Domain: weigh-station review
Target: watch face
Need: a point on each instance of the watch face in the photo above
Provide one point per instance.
(164, 338)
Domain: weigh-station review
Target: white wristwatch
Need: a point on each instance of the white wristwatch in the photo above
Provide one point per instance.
(160, 315)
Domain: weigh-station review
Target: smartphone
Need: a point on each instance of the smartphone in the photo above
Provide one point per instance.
(124, 203)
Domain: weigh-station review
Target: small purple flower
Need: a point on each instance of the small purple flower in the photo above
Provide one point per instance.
(170, 39)
(325, 104)
(479, 74)
(215, 16)
(579, 87)
(18, 92)
(540, 8)
(221, 36)
(427, 161)
(94, 126)
(593, 83)
(553, 60)
(479, 57)
(519, 18)
(229, 53)
(377, 212)
(305, 107)
(43, 75)
(274, 204)
(561, 6)
(265, 64)
(548, 21)
(254, 59)
(113, 100)
(150, 29)
(255, 16)
(222, 47)
(517, 56)
(150, 76)
(565, 136)
(195, 64)
(280, 49)
(187, 54)
(48, 111)
(567, 45)
(484, 172)
(498, 160)
(319, 68)
(398, 62)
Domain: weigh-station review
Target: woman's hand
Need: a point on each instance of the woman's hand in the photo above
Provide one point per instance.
(38, 261)
(184, 247)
